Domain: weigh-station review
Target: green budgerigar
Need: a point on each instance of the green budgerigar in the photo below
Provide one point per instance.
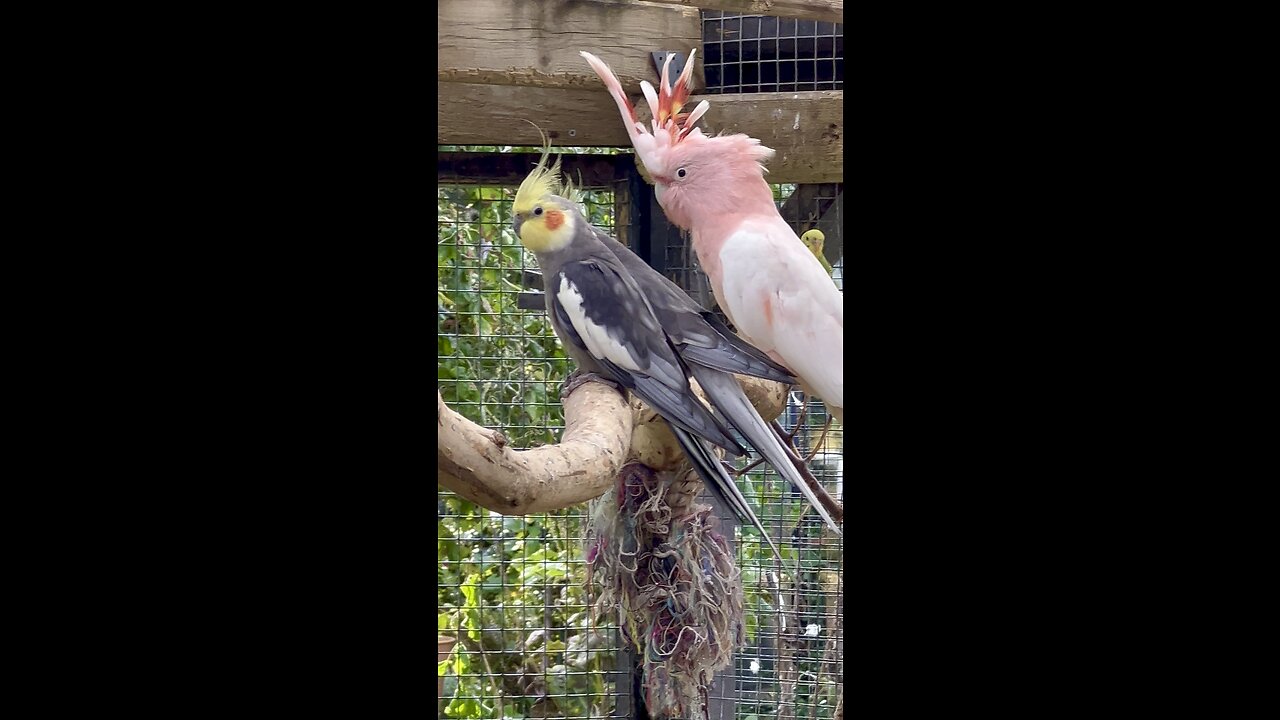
(813, 240)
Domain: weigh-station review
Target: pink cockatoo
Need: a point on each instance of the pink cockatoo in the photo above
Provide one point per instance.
(772, 288)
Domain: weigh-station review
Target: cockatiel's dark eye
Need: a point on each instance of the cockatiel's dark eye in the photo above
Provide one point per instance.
(681, 172)
(537, 211)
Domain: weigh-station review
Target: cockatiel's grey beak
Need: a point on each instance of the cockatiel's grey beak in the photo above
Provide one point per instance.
(516, 222)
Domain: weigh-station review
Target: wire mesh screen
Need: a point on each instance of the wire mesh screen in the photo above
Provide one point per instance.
(791, 667)
(759, 53)
(512, 590)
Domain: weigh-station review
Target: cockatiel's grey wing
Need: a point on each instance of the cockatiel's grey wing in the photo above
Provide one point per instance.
(730, 353)
(699, 335)
(713, 474)
(712, 350)
(601, 310)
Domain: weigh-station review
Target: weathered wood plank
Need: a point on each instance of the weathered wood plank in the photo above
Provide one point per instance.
(512, 168)
(821, 10)
(805, 128)
(500, 42)
(469, 114)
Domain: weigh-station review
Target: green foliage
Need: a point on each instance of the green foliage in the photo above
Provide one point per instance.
(498, 365)
(512, 590)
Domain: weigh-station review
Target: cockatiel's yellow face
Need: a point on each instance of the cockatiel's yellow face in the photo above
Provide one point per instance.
(542, 221)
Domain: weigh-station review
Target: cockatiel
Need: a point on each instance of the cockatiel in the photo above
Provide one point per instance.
(622, 320)
(773, 290)
(813, 239)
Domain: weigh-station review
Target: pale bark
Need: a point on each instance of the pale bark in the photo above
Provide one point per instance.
(602, 432)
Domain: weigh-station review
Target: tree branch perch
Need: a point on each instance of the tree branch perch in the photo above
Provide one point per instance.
(602, 432)
(476, 462)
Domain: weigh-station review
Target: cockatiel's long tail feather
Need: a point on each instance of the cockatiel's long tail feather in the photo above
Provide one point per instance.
(735, 355)
(684, 409)
(726, 396)
(730, 359)
(717, 479)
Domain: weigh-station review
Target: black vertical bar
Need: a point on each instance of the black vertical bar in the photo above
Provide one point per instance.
(639, 710)
(624, 687)
(722, 691)
(659, 230)
(629, 687)
(640, 197)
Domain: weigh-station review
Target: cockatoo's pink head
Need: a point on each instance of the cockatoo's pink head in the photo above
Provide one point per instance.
(694, 175)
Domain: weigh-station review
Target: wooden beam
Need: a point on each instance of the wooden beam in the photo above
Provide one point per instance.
(500, 42)
(512, 168)
(806, 129)
(468, 114)
(822, 10)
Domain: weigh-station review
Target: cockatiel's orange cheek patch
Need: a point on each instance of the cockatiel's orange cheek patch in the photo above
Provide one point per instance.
(555, 219)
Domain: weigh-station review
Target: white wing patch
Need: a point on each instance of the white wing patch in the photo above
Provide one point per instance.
(596, 337)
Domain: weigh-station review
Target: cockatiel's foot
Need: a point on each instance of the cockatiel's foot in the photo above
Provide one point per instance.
(577, 378)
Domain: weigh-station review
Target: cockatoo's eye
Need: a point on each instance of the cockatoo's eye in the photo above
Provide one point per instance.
(537, 211)
(681, 172)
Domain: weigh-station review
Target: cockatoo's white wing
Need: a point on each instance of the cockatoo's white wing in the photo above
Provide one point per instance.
(784, 303)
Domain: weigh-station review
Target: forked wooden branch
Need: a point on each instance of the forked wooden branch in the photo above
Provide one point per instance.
(602, 432)
(478, 464)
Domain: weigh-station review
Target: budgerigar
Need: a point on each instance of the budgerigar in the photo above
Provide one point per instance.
(813, 239)
(774, 291)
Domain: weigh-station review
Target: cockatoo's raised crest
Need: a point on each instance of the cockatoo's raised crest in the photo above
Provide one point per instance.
(670, 128)
(665, 104)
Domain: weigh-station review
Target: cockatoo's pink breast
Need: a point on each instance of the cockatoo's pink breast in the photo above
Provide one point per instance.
(707, 242)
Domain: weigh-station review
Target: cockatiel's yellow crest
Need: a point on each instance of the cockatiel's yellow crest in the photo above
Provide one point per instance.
(541, 220)
(540, 183)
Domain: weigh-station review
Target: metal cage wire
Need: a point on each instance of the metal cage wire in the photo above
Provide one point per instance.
(511, 588)
(759, 53)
